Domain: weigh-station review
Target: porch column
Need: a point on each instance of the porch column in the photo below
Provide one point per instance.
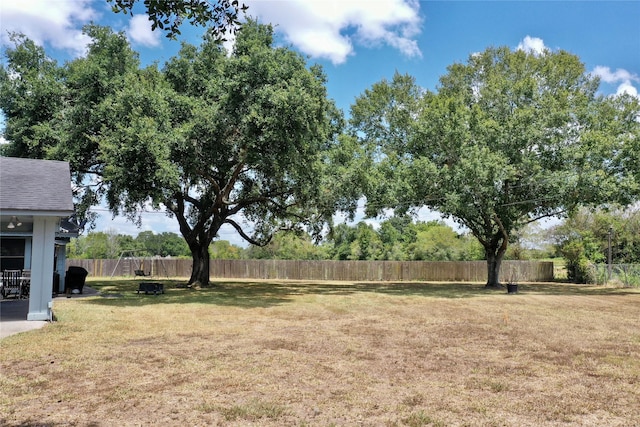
(42, 253)
(27, 253)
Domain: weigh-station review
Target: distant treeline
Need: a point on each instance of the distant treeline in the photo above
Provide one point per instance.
(396, 239)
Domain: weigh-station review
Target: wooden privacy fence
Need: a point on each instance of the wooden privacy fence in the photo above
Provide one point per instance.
(125, 267)
(463, 271)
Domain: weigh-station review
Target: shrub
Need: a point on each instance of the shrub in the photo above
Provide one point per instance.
(578, 265)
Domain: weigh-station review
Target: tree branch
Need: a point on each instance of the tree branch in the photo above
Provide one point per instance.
(244, 235)
(195, 202)
(226, 191)
(178, 210)
(546, 216)
(505, 235)
(241, 204)
(213, 182)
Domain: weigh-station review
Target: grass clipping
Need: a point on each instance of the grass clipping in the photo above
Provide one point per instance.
(295, 353)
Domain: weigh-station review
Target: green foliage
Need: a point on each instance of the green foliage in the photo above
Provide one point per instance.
(396, 239)
(222, 249)
(400, 239)
(221, 16)
(530, 242)
(472, 250)
(98, 245)
(163, 244)
(596, 225)
(31, 102)
(508, 138)
(396, 233)
(584, 238)
(109, 245)
(209, 136)
(576, 253)
(366, 244)
(356, 243)
(437, 243)
(287, 245)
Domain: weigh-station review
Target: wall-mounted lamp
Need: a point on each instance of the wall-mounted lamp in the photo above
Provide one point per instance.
(15, 222)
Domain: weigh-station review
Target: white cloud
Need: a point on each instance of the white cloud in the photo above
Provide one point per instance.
(533, 45)
(627, 88)
(323, 29)
(139, 31)
(329, 29)
(620, 76)
(57, 24)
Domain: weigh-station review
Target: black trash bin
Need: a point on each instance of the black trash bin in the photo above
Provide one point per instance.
(75, 279)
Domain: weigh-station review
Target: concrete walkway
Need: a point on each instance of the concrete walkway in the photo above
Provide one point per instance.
(13, 314)
(13, 318)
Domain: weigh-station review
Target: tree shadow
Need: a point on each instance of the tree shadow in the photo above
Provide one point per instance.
(262, 294)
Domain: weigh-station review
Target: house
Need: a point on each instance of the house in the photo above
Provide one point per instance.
(35, 197)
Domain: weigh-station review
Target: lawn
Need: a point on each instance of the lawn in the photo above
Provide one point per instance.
(329, 354)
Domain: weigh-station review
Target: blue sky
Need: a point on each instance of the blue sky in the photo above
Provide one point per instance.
(361, 42)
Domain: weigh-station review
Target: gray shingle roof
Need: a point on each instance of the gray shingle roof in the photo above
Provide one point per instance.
(35, 185)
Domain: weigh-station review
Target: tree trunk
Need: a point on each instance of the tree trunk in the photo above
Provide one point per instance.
(494, 261)
(200, 266)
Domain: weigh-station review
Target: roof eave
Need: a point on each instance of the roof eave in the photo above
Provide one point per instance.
(22, 212)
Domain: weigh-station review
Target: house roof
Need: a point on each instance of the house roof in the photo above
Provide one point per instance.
(38, 186)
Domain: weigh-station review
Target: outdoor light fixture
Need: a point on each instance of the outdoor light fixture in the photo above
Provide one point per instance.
(15, 220)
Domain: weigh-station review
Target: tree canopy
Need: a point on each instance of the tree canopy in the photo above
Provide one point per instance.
(220, 16)
(508, 138)
(210, 136)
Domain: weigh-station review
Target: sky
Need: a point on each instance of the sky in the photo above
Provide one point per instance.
(359, 43)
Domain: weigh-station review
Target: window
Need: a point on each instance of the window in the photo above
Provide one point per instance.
(12, 254)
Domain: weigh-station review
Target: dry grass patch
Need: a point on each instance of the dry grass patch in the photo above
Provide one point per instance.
(294, 353)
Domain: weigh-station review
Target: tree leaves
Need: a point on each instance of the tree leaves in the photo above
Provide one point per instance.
(222, 17)
(509, 137)
(209, 136)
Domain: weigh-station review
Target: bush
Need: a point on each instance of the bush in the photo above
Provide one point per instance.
(578, 265)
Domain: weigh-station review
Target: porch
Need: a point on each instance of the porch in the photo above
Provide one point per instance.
(35, 201)
(13, 313)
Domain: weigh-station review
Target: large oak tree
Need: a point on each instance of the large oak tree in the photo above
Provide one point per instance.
(246, 138)
(508, 138)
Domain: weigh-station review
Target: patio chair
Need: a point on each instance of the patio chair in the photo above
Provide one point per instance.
(75, 279)
(11, 283)
(25, 281)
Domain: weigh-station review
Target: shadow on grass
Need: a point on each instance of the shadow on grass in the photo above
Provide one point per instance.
(251, 294)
